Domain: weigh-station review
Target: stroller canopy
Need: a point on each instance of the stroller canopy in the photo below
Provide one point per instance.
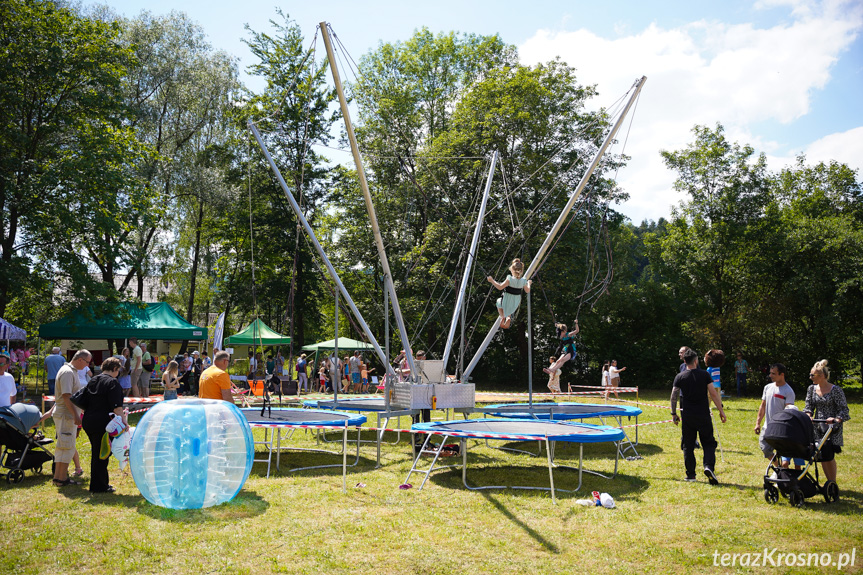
(21, 416)
(791, 433)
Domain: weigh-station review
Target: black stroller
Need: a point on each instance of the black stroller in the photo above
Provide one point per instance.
(792, 434)
(23, 446)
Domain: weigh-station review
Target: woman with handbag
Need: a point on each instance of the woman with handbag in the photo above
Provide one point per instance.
(103, 397)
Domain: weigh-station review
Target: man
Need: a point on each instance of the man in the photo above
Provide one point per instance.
(146, 370)
(8, 391)
(215, 381)
(53, 363)
(302, 376)
(196, 370)
(67, 417)
(694, 388)
(741, 368)
(680, 353)
(775, 397)
(136, 366)
(356, 380)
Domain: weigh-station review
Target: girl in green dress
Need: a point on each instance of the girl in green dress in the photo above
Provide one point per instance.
(512, 288)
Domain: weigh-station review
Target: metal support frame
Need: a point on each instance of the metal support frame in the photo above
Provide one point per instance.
(370, 208)
(469, 264)
(540, 254)
(314, 240)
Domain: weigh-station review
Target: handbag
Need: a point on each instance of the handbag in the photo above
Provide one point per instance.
(81, 398)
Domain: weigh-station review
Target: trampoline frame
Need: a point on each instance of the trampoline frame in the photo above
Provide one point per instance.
(464, 436)
(381, 414)
(277, 436)
(532, 409)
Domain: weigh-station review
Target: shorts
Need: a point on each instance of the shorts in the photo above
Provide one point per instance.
(170, 394)
(355, 377)
(828, 451)
(67, 433)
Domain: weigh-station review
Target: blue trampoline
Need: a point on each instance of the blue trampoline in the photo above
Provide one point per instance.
(375, 405)
(545, 431)
(289, 419)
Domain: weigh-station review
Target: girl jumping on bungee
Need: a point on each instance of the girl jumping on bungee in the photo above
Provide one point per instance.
(512, 287)
(567, 346)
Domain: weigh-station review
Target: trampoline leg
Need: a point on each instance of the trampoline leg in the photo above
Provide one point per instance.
(463, 442)
(550, 471)
(345, 457)
(380, 435)
(581, 464)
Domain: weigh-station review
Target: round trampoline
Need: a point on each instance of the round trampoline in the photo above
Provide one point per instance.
(296, 417)
(287, 420)
(560, 411)
(353, 404)
(548, 432)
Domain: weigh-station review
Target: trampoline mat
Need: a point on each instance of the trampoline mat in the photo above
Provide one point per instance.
(513, 428)
(279, 417)
(364, 404)
(563, 410)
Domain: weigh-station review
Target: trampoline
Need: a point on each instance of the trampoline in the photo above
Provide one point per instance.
(545, 431)
(375, 405)
(566, 411)
(287, 419)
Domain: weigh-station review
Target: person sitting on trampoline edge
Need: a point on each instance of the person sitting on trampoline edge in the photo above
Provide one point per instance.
(567, 346)
(512, 287)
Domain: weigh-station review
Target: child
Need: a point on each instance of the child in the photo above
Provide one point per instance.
(171, 381)
(554, 377)
(364, 374)
(322, 376)
(511, 287)
(567, 346)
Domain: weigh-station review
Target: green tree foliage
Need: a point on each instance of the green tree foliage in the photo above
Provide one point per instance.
(66, 152)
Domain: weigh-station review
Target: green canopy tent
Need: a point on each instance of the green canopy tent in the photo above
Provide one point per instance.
(122, 320)
(257, 333)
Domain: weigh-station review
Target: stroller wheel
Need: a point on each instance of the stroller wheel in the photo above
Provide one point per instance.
(15, 476)
(831, 492)
(771, 494)
(796, 498)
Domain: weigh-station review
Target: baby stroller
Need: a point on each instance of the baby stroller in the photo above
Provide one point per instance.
(23, 446)
(791, 434)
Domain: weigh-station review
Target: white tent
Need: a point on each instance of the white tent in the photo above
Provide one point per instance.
(10, 332)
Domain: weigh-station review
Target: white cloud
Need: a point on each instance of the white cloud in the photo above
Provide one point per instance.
(845, 147)
(703, 73)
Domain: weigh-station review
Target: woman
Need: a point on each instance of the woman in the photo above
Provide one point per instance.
(614, 377)
(171, 381)
(125, 373)
(105, 398)
(605, 383)
(827, 401)
(512, 288)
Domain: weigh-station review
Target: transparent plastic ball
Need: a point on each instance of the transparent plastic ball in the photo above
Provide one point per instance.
(191, 453)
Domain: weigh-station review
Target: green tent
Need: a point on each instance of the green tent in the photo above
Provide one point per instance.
(122, 320)
(257, 333)
(345, 343)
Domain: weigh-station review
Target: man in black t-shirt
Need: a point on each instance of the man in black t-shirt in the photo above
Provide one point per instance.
(694, 388)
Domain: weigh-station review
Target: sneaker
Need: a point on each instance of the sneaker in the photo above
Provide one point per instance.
(711, 477)
(690, 479)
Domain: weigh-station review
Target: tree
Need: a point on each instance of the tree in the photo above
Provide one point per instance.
(65, 148)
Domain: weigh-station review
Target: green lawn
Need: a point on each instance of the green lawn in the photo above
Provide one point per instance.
(303, 523)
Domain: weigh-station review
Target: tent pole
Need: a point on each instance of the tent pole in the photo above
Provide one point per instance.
(337, 376)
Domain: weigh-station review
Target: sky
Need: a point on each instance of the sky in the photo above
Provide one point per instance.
(784, 76)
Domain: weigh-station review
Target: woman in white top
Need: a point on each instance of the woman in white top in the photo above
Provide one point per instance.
(604, 382)
(84, 375)
(614, 376)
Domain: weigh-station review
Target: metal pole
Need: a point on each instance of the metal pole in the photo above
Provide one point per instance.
(337, 377)
(387, 382)
(460, 367)
(470, 257)
(333, 274)
(379, 242)
(540, 254)
(529, 355)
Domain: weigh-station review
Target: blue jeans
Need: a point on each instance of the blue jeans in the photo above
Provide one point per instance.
(741, 384)
(170, 394)
(51, 383)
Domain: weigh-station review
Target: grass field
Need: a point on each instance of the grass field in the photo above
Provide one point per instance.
(303, 523)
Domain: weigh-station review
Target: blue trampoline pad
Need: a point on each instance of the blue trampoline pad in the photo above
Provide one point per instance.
(288, 417)
(523, 430)
(355, 404)
(561, 411)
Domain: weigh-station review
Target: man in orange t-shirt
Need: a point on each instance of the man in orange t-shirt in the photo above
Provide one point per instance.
(215, 382)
